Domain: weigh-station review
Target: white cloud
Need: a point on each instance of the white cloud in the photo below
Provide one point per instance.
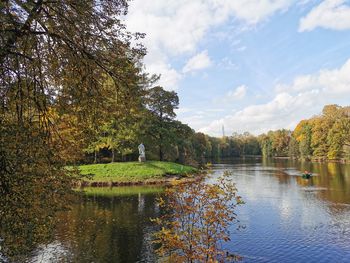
(197, 62)
(183, 110)
(237, 94)
(254, 11)
(176, 27)
(169, 77)
(195, 120)
(330, 14)
(241, 49)
(227, 64)
(233, 95)
(303, 98)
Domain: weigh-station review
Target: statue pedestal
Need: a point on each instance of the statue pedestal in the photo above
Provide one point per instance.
(142, 159)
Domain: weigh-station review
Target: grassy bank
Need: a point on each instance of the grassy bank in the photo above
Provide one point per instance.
(134, 172)
(122, 190)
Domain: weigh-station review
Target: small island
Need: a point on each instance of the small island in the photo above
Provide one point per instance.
(135, 173)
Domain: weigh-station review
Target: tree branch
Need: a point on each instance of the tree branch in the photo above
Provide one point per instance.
(32, 14)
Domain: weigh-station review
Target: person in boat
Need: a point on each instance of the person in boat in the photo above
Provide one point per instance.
(306, 174)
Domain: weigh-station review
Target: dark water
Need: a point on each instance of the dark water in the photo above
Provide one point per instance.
(109, 225)
(286, 218)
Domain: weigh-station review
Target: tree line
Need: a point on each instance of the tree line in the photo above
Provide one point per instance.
(165, 138)
(322, 137)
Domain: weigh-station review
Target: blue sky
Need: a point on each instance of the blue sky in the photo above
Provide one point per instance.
(250, 65)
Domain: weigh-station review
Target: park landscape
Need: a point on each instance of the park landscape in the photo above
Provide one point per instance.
(103, 159)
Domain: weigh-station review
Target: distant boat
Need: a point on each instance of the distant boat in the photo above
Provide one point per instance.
(306, 175)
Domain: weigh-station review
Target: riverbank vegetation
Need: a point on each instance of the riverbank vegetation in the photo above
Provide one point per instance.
(322, 137)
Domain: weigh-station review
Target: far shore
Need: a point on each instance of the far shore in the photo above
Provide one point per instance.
(313, 159)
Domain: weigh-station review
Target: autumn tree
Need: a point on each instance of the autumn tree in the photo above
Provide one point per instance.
(57, 58)
(266, 145)
(320, 129)
(302, 134)
(275, 143)
(196, 220)
(293, 148)
(338, 139)
(325, 136)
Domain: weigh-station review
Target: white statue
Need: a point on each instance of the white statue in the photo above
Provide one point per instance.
(142, 153)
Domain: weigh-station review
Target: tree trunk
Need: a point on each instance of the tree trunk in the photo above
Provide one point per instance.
(113, 155)
(160, 148)
(95, 160)
(160, 153)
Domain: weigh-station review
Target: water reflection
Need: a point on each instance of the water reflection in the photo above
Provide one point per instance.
(287, 218)
(291, 219)
(106, 228)
(333, 178)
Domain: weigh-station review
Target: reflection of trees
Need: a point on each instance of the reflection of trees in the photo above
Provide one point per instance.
(27, 212)
(333, 177)
(106, 229)
(283, 178)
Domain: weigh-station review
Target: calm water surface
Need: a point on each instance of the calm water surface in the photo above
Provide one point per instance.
(285, 218)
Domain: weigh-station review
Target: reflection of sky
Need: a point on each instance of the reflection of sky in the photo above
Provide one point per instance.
(53, 252)
(286, 221)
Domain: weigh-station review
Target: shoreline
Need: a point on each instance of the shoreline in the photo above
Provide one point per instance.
(166, 180)
(313, 160)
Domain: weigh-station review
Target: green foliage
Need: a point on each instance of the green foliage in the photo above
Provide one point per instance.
(293, 148)
(305, 141)
(161, 105)
(246, 143)
(266, 145)
(275, 143)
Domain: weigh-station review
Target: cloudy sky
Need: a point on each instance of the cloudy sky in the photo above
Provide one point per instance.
(250, 65)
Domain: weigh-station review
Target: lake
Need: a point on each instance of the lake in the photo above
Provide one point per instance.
(285, 218)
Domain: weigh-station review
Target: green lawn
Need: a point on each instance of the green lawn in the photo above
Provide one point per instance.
(134, 171)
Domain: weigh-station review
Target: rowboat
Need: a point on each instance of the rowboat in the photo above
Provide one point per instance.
(306, 175)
